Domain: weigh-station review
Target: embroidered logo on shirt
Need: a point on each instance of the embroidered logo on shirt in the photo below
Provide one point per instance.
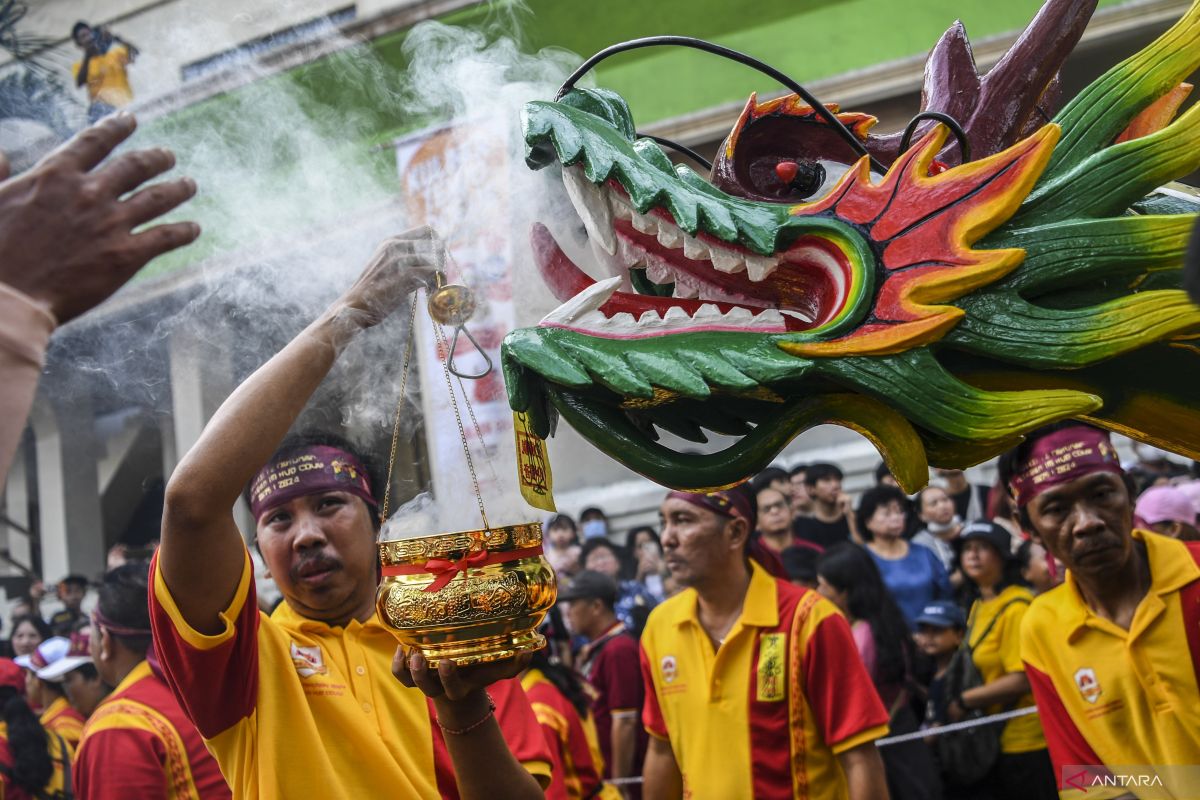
(1088, 683)
(308, 661)
(772, 652)
(668, 669)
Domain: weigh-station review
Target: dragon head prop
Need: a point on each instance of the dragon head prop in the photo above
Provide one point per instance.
(943, 304)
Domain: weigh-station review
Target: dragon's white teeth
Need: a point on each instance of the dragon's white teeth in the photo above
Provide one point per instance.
(644, 223)
(629, 252)
(738, 314)
(592, 204)
(669, 236)
(707, 312)
(694, 249)
(649, 318)
(686, 288)
(621, 209)
(624, 319)
(759, 267)
(769, 317)
(728, 261)
(590, 299)
(675, 314)
(658, 271)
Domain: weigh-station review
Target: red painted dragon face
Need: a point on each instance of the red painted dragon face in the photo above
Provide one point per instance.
(943, 309)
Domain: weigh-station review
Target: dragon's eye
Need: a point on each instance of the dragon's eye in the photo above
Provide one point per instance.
(802, 177)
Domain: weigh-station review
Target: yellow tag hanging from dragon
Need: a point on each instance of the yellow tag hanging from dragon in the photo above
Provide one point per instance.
(533, 466)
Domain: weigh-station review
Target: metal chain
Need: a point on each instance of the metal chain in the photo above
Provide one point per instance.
(408, 351)
(442, 343)
(478, 431)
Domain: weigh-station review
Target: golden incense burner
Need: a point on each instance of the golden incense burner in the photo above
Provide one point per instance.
(471, 596)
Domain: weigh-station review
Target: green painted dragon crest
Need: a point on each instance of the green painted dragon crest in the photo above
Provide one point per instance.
(942, 309)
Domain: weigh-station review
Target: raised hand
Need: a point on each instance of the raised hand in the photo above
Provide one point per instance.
(67, 225)
(400, 265)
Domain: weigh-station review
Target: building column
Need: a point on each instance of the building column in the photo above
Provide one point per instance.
(16, 508)
(71, 522)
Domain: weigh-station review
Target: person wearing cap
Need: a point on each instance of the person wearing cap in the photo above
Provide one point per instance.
(1169, 511)
(137, 742)
(941, 626)
(1107, 651)
(754, 687)
(994, 638)
(44, 689)
(317, 699)
(609, 662)
(77, 673)
(33, 763)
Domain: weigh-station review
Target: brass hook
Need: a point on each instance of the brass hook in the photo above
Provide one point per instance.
(454, 304)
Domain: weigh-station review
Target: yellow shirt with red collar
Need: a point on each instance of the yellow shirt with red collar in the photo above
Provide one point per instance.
(1107, 696)
(766, 714)
(59, 717)
(294, 708)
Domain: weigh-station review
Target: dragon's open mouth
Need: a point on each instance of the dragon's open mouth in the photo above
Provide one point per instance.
(683, 283)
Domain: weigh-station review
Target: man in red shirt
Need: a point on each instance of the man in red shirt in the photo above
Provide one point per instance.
(138, 742)
(611, 665)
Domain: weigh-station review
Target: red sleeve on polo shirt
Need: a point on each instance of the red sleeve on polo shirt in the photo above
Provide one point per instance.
(119, 763)
(618, 674)
(652, 716)
(518, 723)
(836, 683)
(1066, 743)
(214, 677)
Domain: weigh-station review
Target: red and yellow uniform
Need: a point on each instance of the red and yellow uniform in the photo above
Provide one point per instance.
(998, 654)
(294, 708)
(60, 718)
(138, 743)
(578, 765)
(612, 666)
(1107, 696)
(61, 760)
(107, 79)
(766, 714)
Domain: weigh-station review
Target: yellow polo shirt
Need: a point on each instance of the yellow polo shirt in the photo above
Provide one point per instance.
(107, 79)
(293, 708)
(1108, 696)
(998, 654)
(766, 713)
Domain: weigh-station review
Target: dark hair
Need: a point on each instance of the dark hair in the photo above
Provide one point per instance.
(800, 562)
(593, 511)
(1010, 572)
(79, 26)
(560, 521)
(296, 442)
(563, 679)
(75, 580)
(768, 476)
(871, 500)
(851, 569)
(820, 472)
(123, 601)
(632, 536)
(881, 472)
(1024, 554)
(37, 622)
(31, 764)
(799, 469)
(87, 671)
(920, 498)
(601, 543)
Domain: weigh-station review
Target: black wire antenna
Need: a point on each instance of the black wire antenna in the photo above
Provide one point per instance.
(732, 55)
(950, 122)
(687, 151)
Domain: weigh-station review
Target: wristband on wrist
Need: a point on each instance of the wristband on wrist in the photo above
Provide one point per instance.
(467, 729)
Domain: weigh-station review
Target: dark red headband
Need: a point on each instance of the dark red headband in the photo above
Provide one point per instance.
(727, 503)
(319, 468)
(1063, 456)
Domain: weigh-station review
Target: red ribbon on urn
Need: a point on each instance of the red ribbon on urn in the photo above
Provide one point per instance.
(447, 570)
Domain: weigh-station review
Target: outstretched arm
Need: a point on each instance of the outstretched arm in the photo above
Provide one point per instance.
(663, 780)
(201, 556)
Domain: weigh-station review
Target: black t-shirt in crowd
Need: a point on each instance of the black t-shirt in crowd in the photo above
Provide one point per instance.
(824, 534)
